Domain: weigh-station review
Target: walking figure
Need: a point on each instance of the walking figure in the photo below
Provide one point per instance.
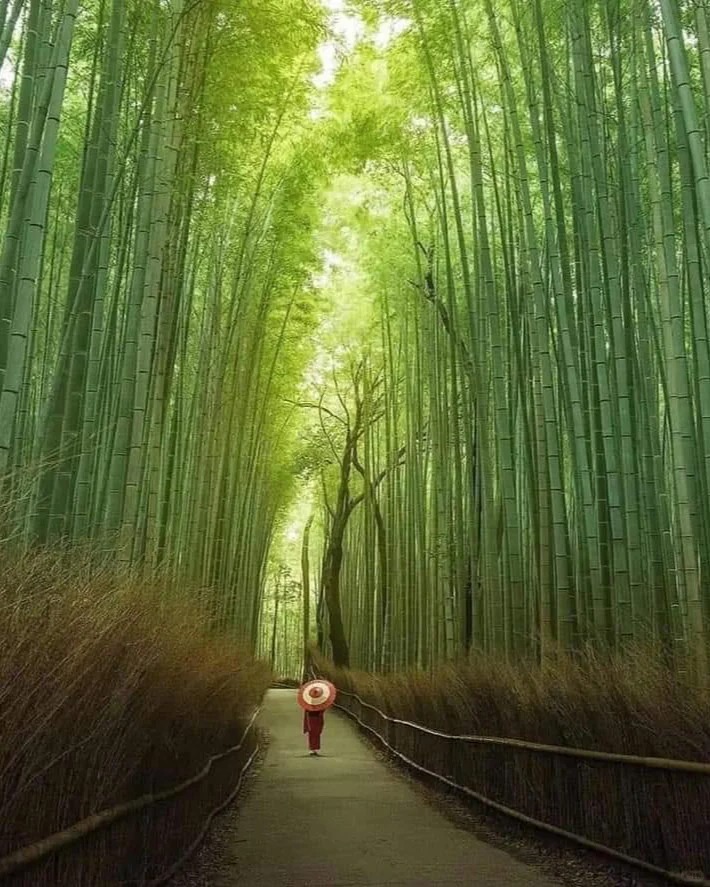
(314, 698)
(313, 726)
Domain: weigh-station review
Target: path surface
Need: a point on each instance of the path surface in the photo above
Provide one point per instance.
(346, 819)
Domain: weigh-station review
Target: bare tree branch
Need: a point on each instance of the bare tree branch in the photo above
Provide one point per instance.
(316, 406)
(399, 461)
(326, 433)
(374, 484)
(340, 397)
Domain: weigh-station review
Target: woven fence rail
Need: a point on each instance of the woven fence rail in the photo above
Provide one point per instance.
(141, 841)
(651, 813)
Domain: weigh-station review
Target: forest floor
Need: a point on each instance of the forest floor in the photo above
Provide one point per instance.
(344, 818)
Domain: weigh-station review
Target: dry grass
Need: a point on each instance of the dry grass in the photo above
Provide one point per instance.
(109, 689)
(630, 705)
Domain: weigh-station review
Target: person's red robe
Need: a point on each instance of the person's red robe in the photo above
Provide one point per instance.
(313, 725)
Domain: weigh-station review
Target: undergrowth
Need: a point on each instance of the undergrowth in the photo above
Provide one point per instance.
(630, 704)
(110, 688)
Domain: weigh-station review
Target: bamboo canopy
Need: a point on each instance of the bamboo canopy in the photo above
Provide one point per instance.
(450, 288)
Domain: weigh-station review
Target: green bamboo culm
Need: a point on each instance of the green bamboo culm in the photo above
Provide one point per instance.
(544, 282)
(466, 311)
(147, 280)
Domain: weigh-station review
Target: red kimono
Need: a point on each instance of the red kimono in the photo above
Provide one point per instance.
(313, 725)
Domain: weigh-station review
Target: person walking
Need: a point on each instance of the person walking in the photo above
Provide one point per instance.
(313, 723)
(314, 698)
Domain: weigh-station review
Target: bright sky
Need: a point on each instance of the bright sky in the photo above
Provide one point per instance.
(347, 28)
(7, 73)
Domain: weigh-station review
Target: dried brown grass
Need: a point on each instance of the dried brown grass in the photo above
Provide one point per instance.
(110, 688)
(631, 705)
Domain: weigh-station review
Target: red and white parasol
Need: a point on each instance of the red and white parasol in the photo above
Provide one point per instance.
(316, 695)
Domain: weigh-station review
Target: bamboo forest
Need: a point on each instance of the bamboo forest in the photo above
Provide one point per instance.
(455, 299)
(368, 336)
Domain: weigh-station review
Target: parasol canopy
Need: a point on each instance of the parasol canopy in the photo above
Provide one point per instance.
(316, 695)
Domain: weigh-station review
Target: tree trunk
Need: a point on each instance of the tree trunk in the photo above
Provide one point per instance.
(331, 590)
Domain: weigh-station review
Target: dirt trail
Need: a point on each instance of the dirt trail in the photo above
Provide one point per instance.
(346, 819)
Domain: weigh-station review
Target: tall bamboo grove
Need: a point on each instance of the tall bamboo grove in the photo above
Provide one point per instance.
(154, 218)
(542, 276)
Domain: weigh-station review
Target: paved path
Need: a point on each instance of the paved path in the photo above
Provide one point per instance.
(346, 819)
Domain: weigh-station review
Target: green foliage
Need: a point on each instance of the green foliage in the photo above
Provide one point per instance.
(499, 212)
